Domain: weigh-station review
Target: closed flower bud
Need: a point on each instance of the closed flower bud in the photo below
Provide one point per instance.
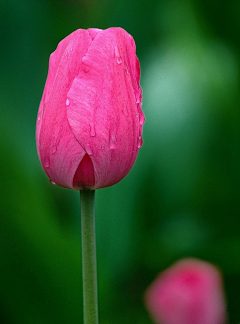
(189, 292)
(89, 125)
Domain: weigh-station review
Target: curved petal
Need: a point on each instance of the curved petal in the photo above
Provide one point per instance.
(104, 105)
(58, 149)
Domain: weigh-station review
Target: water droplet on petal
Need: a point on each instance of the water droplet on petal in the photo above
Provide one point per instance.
(117, 56)
(140, 141)
(71, 49)
(92, 129)
(119, 60)
(112, 142)
(138, 96)
(142, 118)
(67, 102)
(47, 163)
(88, 149)
(54, 149)
(126, 69)
(39, 116)
(52, 183)
(86, 69)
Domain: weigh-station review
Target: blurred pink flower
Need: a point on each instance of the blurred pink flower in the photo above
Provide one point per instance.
(189, 292)
(89, 125)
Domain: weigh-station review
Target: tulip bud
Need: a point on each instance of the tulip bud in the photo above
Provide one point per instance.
(189, 292)
(89, 125)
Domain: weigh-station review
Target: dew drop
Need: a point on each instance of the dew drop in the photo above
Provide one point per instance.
(138, 96)
(86, 69)
(112, 142)
(67, 102)
(92, 129)
(54, 149)
(71, 49)
(119, 60)
(142, 118)
(140, 141)
(39, 116)
(126, 69)
(88, 149)
(117, 56)
(47, 163)
(52, 183)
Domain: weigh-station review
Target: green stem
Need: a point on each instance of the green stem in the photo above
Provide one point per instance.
(89, 262)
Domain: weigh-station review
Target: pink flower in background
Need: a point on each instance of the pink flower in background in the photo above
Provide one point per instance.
(189, 292)
(89, 125)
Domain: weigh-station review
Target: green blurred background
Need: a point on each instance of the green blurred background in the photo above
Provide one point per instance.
(182, 197)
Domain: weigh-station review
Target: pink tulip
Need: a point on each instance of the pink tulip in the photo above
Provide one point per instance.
(189, 292)
(89, 125)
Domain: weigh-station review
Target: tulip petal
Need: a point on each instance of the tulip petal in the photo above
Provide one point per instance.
(105, 96)
(58, 150)
(84, 176)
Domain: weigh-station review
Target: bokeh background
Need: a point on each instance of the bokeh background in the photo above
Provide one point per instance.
(182, 197)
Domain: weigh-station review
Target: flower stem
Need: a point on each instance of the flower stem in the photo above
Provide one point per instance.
(89, 262)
